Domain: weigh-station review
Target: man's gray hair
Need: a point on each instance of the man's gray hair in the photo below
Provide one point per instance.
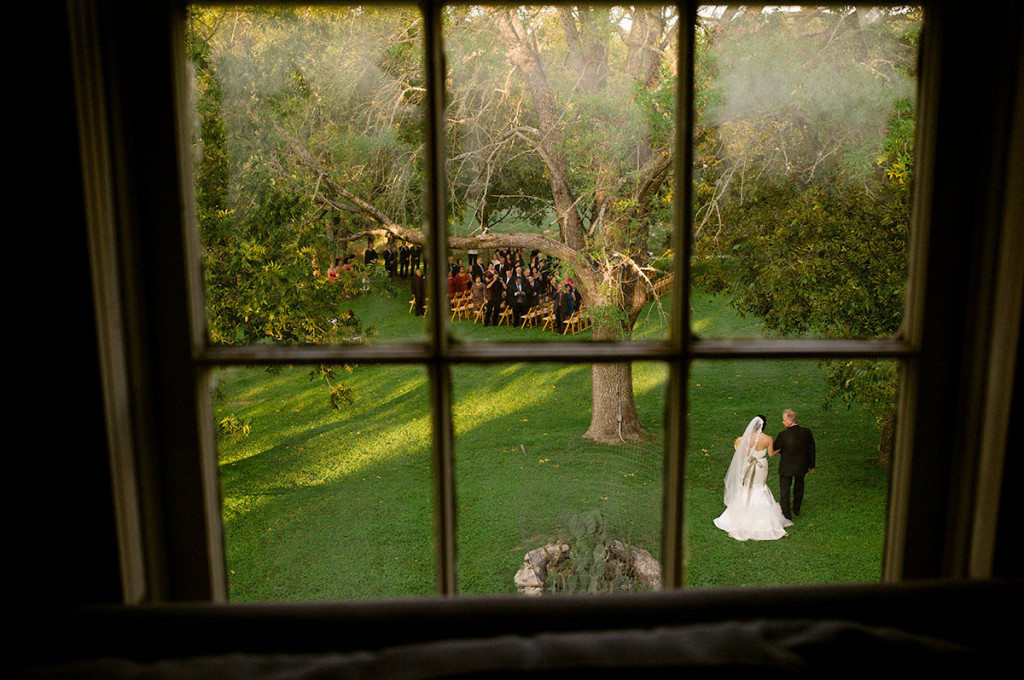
(790, 415)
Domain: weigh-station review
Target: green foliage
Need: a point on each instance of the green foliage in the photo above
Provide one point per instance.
(803, 174)
(588, 567)
(232, 425)
(658, 106)
(260, 245)
(872, 384)
(827, 259)
(341, 395)
(259, 281)
(897, 157)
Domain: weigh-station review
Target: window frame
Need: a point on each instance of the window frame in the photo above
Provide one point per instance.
(145, 268)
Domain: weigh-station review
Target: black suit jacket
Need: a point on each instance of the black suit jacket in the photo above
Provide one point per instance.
(514, 293)
(418, 285)
(796, 444)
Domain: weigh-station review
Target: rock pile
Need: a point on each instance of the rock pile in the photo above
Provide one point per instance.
(636, 562)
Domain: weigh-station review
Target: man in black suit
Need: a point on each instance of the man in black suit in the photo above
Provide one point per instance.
(414, 256)
(478, 269)
(403, 260)
(515, 295)
(796, 444)
(390, 260)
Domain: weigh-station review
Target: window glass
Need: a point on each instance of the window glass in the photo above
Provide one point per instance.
(737, 533)
(325, 481)
(560, 150)
(803, 164)
(308, 153)
(543, 506)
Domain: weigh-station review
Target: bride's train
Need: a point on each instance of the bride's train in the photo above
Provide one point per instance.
(759, 518)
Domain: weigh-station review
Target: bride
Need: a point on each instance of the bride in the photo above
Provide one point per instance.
(751, 511)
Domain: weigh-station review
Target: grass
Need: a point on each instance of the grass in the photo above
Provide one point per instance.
(325, 504)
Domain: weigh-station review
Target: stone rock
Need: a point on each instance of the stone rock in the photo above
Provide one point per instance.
(639, 562)
(530, 579)
(528, 583)
(635, 561)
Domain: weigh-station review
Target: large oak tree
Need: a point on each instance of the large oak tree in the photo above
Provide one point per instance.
(567, 105)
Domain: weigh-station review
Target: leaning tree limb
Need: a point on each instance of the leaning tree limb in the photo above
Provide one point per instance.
(527, 241)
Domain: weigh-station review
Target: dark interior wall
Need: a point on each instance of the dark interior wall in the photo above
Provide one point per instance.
(64, 531)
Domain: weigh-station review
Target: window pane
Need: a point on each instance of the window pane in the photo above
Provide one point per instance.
(848, 407)
(560, 148)
(803, 163)
(326, 482)
(527, 480)
(308, 168)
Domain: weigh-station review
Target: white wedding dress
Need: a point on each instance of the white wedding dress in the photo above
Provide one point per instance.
(751, 511)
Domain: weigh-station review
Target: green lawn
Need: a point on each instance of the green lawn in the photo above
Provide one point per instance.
(325, 504)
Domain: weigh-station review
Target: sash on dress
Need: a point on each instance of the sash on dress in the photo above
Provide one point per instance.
(749, 472)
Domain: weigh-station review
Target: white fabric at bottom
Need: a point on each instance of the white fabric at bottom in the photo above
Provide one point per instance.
(755, 514)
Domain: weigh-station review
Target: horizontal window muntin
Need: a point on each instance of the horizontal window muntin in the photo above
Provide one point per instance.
(566, 352)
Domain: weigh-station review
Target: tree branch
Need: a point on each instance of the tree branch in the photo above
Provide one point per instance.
(489, 240)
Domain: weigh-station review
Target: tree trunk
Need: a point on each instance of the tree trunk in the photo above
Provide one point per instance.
(613, 417)
(885, 441)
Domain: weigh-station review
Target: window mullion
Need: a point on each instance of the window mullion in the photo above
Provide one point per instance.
(439, 368)
(673, 520)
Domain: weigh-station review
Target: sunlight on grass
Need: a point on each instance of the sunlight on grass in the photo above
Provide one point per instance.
(310, 487)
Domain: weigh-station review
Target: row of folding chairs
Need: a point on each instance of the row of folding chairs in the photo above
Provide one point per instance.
(462, 308)
(543, 314)
(663, 285)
